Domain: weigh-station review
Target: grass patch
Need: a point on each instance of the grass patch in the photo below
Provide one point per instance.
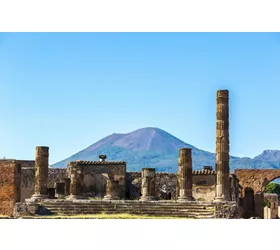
(101, 216)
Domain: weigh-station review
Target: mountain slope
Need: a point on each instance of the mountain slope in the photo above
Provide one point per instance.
(153, 147)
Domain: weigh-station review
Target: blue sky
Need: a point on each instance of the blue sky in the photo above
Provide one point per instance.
(68, 90)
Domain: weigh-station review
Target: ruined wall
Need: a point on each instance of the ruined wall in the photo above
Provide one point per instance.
(94, 176)
(10, 175)
(166, 186)
(204, 193)
(27, 180)
(55, 175)
(26, 163)
(257, 179)
(273, 208)
(27, 183)
(226, 210)
(253, 183)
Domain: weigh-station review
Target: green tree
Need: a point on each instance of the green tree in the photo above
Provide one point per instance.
(273, 188)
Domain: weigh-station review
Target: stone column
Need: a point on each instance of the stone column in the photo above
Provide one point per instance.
(112, 190)
(222, 147)
(185, 175)
(75, 173)
(148, 187)
(41, 173)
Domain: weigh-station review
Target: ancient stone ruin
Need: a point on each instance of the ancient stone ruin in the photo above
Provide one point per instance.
(104, 186)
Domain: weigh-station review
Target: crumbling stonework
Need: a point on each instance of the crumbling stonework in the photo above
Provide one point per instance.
(25, 209)
(226, 210)
(203, 182)
(10, 176)
(273, 205)
(56, 175)
(92, 177)
(257, 179)
(222, 147)
(27, 183)
(28, 177)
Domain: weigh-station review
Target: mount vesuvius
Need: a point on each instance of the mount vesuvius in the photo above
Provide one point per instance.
(153, 147)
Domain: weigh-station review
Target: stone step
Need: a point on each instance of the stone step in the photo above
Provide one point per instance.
(124, 205)
(128, 209)
(129, 204)
(170, 209)
(94, 210)
(133, 212)
(193, 215)
(118, 206)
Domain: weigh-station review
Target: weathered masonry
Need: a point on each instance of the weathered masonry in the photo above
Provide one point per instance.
(89, 178)
(10, 176)
(222, 147)
(106, 184)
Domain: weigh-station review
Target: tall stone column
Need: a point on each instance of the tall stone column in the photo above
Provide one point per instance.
(185, 174)
(222, 147)
(41, 173)
(148, 187)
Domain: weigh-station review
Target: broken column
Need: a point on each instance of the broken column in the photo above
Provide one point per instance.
(41, 173)
(75, 176)
(112, 190)
(148, 187)
(222, 147)
(185, 174)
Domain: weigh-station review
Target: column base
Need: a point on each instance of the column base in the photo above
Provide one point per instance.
(221, 199)
(184, 199)
(38, 197)
(76, 197)
(110, 198)
(149, 198)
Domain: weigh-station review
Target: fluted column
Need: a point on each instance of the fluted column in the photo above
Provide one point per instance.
(185, 174)
(41, 173)
(148, 187)
(222, 147)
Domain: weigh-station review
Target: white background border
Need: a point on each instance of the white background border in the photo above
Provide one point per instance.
(139, 15)
(144, 15)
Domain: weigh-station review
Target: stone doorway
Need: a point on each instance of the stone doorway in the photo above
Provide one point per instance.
(249, 202)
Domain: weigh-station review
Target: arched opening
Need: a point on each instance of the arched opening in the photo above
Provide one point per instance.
(271, 199)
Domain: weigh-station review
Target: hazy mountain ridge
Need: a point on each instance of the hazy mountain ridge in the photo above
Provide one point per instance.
(153, 147)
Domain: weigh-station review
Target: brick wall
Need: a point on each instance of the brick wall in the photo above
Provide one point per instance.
(10, 176)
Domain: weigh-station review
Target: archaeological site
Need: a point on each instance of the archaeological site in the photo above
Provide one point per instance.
(33, 189)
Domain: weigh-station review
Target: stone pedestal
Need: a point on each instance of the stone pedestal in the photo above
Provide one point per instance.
(112, 190)
(222, 147)
(185, 175)
(148, 187)
(41, 173)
